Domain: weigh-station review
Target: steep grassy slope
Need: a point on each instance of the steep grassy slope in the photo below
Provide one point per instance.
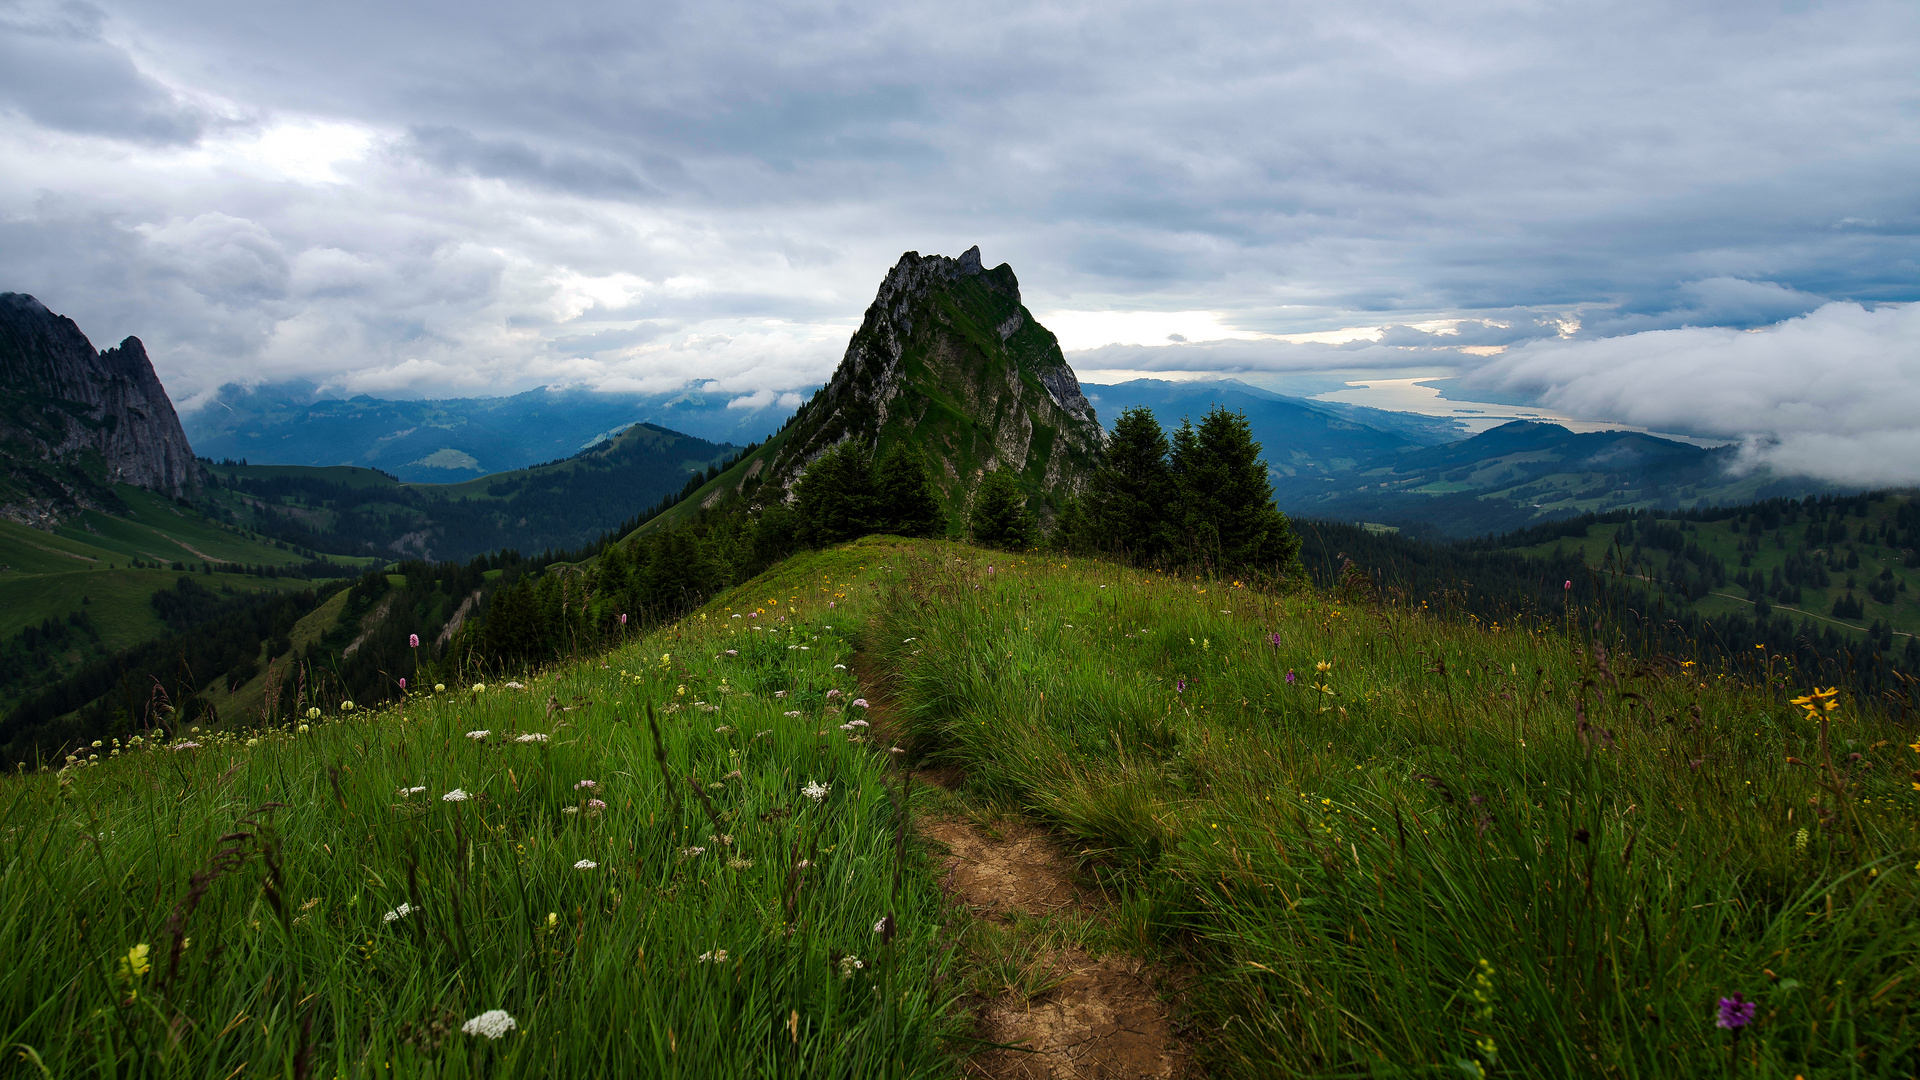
(339, 899)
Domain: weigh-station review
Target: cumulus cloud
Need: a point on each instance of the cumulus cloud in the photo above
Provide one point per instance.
(634, 194)
(58, 69)
(1834, 393)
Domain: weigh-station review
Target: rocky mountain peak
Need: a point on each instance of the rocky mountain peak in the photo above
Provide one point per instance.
(948, 357)
(75, 421)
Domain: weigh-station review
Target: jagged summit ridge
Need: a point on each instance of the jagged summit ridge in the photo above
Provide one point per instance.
(75, 421)
(948, 358)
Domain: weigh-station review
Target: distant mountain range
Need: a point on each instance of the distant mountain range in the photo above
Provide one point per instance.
(560, 505)
(447, 441)
(1351, 463)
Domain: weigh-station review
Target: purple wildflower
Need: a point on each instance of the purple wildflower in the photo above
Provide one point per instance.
(1273, 639)
(1568, 585)
(1180, 686)
(1290, 677)
(1736, 1012)
(413, 641)
(403, 684)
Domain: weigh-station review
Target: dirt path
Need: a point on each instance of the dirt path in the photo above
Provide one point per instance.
(1099, 1017)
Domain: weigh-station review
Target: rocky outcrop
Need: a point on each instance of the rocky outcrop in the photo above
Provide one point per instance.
(948, 358)
(74, 422)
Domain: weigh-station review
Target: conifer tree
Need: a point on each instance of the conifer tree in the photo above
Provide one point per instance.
(908, 505)
(835, 500)
(1000, 515)
(1128, 499)
(1224, 500)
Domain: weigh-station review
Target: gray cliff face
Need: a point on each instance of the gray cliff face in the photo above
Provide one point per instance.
(74, 422)
(948, 359)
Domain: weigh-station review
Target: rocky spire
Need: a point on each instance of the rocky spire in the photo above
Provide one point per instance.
(74, 422)
(949, 358)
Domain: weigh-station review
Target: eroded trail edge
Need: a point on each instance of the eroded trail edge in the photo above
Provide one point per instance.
(1096, 1017)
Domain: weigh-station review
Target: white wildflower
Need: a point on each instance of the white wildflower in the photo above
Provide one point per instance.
(569, 809)
(398, 913)
(517, 686)
(816, 790)
(739, 864)
(493, 1023)
(849, 965)
(858, 723)
(479, 687)
(716, 956)
(881, 926)
(791, 713)
(585, 864)
(456, 795)
(532, 737)
(478, 735)
(861, 703)
(839, 667)
(186, 746)
(407, 791)
(692, 852)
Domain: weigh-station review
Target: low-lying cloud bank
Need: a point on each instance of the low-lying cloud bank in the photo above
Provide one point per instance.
(1833, 394)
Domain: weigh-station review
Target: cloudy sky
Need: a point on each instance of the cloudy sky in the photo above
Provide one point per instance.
(1699, 216)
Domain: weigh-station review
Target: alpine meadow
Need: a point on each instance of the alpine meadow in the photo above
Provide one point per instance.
(948, 732)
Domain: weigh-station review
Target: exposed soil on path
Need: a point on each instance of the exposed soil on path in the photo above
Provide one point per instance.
(1102, 1018)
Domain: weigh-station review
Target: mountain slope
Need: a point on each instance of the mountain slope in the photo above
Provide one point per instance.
(447, 441)
(1526, 471)
(949, 360)
(562, 504)
(1297, 437)
(74, 421)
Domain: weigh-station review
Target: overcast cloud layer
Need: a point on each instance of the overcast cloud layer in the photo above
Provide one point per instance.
(439, 199)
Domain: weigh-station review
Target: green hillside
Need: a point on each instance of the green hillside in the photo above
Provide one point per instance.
(86, 589)
(1342, 838)
(1850, 563)
(565, 504)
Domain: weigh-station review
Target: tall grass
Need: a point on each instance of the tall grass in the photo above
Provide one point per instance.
(317, 900)
(1456, 850)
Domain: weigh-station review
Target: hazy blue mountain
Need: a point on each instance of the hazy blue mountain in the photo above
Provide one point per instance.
(1525, 472)
(1300, 438)
(451, 440)
(562, 504)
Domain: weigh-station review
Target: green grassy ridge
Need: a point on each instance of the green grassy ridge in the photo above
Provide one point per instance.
(1337, 864)
(291, 954)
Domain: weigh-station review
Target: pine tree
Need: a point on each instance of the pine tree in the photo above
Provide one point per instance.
(1127, 500)
(1225, 500)
(1000, 515)
(907, 503)
(835, 500)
